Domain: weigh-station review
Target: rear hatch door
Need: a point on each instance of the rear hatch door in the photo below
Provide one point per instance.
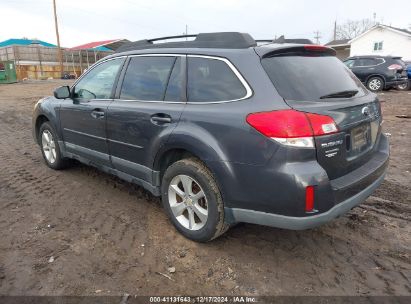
(311, 79)
(398, 67)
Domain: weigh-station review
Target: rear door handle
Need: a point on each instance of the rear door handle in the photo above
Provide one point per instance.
(161, 118)
(97, 114)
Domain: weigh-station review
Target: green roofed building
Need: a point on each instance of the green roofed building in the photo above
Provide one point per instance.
(25, 42)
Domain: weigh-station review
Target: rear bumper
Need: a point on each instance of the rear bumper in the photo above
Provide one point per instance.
(396, 82)
(301, 223)
(333, 197)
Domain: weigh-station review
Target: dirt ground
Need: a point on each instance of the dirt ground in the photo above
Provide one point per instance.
(83, 232)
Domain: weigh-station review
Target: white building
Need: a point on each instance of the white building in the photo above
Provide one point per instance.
(383, 40)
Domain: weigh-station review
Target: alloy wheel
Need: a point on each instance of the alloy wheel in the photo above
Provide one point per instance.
(375, 84)
(188, 202)
(49, 146)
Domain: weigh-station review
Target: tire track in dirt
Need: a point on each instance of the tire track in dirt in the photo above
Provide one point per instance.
(40, 183)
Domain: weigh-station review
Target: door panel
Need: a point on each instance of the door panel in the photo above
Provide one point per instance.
(83, 117)
(82, 129)
(139, 121)
(134, 135)
(363, 67)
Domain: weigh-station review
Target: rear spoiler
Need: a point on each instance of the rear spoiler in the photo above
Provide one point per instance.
(295, 50)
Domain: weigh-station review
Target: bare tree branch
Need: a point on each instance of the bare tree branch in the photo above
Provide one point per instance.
(352, 28)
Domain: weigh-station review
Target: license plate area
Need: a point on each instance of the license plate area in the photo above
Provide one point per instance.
(360, 138)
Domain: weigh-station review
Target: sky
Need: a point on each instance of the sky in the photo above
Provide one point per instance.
(83, 21)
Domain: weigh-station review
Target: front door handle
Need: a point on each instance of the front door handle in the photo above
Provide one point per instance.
(97, 114)
(161, 118)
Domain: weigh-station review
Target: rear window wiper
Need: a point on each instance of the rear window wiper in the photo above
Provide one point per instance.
(341, 94)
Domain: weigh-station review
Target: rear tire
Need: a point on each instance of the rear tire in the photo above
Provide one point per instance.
(375, 84)
(50, 148)
(404, 87)
(192, 200)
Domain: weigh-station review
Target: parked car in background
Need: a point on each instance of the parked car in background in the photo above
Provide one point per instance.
(225, 131)
(378, 72)
(68, 76)
(406, 86)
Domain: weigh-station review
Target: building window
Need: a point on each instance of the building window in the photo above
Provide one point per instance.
(378, 46)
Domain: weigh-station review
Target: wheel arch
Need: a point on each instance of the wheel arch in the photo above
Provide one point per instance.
(40, 120)
(167, 157)
(46, 110)
(220, 169)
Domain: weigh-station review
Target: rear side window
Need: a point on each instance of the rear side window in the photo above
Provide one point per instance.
(365, 62)
(379, 61)
(212, 80)
(146, 78)
(308, 78)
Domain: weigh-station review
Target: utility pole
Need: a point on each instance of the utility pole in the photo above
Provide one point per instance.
(317, 36)
(60, 54)
(335, 29)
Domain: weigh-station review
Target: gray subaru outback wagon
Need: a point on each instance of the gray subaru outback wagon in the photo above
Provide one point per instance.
(225, 131)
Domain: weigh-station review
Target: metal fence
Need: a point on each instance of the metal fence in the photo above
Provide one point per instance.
(38, 62)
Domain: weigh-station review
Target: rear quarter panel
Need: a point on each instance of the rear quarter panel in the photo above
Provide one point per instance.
(222, 126)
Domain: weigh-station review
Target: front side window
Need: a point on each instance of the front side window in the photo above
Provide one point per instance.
(378, 46)
(147, 78)
(212, 80)
(98, 82)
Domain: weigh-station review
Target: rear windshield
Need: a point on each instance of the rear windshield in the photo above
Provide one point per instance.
(308, 78)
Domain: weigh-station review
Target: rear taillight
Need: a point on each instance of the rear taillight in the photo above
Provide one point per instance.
(322, 124)
(395, 67)
(291, 127)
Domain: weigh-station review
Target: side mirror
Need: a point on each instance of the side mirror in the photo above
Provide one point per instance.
(62, 92)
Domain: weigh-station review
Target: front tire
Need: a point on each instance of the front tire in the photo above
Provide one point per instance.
(50, 148)
(192, 200)
(375, 84)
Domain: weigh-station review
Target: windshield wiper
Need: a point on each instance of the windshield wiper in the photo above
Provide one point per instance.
(341, 94)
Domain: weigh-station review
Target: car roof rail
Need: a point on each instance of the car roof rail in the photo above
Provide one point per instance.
(223, 40)
(282, 39)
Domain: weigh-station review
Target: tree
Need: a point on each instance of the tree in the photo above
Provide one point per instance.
(352, 28)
